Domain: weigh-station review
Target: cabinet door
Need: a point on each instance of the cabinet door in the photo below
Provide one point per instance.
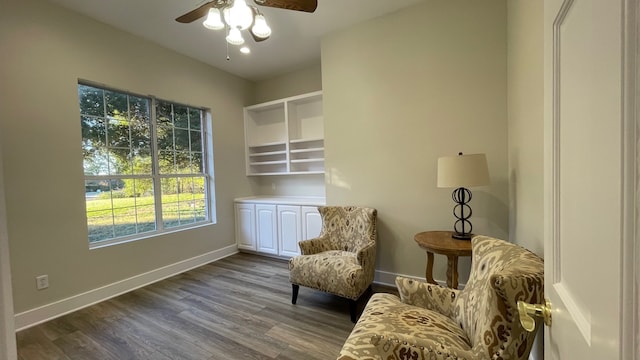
(311, 222)
(289, 230)
(266, 228)
(246, 226)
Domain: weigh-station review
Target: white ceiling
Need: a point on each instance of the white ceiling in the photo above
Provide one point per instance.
(294, 43)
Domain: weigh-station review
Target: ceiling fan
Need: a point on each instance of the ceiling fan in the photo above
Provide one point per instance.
(236, 15)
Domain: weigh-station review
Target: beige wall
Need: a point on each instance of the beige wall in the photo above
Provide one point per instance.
(297, 82)
(525, 112)
(401, 91)
(302, 81)
(44, 49)
(525, 107)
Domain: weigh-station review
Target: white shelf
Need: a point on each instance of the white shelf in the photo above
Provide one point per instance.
(269, 153)
(276, 143)
(268, 162)
(298, 151)
(286, 136)
(297, 141)
(299, 161)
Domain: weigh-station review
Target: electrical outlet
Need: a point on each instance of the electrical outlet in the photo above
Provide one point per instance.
(42, 282)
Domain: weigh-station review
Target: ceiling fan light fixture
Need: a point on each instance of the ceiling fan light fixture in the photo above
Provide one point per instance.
(213, 21)
(235, 37)
(239, 15)
(260, 27)
(245, 50)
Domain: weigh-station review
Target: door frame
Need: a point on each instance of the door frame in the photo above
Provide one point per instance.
(7, 322)
(630, 315)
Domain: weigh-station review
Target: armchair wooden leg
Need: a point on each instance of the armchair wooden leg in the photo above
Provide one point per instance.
(294, 295)
(353, 308)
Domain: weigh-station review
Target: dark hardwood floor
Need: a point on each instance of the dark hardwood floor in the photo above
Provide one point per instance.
(236, 308)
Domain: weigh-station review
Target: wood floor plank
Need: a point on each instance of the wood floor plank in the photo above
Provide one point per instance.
(237, 308)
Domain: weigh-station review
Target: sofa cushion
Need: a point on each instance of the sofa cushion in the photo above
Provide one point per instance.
(394, 346)
(386, 314)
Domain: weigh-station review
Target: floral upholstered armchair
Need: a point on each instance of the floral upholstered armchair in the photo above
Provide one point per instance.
(341, 260)
(432, 322)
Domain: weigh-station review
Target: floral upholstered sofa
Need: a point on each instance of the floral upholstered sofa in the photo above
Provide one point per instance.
(432, 322)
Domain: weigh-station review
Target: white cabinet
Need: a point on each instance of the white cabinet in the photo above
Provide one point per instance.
(311, 222)
(246, 226)
(275, 226)
(285, 136)
(266, 229)
(289, 229)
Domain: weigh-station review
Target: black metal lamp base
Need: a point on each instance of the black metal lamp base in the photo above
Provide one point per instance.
(462, 227)
(461, 236)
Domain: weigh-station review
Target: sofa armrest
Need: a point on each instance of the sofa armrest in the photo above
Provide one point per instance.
(398, 346)
(315, 245)
(426, 295)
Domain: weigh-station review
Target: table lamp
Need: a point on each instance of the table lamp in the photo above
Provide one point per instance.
(460, 172)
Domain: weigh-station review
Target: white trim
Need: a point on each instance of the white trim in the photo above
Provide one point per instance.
(56, 309)
(629, 302)
(7, 333)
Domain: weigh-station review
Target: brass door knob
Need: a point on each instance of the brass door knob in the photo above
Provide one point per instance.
(528, 311)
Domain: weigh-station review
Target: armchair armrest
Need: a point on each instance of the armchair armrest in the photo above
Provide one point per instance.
(367, 255)
(426, 295)
(315, 245)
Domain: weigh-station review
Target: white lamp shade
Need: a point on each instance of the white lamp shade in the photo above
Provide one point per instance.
(463, 171)
(260, 27)
(235, 37)
(213, 21)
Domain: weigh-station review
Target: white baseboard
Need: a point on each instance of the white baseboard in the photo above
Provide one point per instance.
(56, 309)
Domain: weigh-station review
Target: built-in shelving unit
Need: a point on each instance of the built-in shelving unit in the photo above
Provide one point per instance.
(285, 136)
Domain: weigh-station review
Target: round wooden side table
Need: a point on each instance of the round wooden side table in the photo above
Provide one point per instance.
(441, 242)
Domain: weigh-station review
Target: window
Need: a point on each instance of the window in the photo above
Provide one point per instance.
(145, 164)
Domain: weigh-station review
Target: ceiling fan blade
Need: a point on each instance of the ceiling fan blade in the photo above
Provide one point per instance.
(299, 5)
(196, 14)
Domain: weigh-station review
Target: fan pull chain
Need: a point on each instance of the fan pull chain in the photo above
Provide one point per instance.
(227, 43)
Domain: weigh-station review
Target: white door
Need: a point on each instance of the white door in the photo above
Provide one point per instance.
(246, 226)
(311, 222)
(586, 180)
(267, 228)
(289, 230)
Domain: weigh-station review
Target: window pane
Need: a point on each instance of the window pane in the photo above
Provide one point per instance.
(183, 201)
(196, 163)
(119, 162)
(118, 208)
(99, 212)
(196, 141)
(181, 139)
(117, 104)
(181, 116)
(94, 133)
(183, 162)
(166, 162)
(96, 162)
(91, 100)
(194, 119)
(140, 130)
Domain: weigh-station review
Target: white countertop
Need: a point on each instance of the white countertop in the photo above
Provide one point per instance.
(283, 200)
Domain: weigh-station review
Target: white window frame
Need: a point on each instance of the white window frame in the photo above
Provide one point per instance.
(156, 176)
